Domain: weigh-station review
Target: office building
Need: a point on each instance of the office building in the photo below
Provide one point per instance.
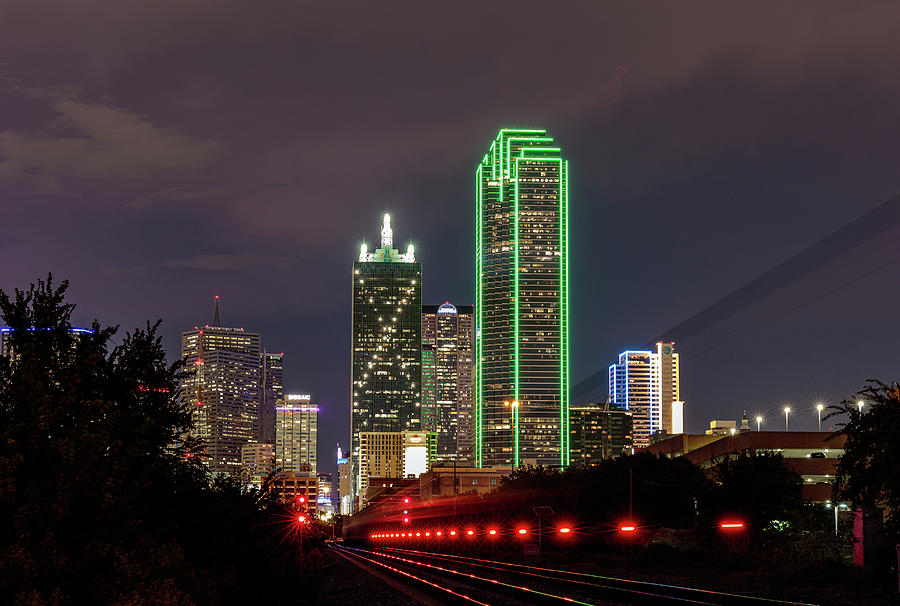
(440, 482)
(296, 434)
(323, 499)
(299, 491)
(448, 342)
(646, 383)
(386, 356)
(599, 432)
(522, 321)
(5, 338)
(257, 462)
(345, 491)
(271, 372)
(393, 455)
(222, 392)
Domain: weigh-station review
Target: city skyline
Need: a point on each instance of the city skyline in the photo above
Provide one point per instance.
(700, 147)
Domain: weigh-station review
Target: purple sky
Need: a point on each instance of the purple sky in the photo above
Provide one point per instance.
(159, 153)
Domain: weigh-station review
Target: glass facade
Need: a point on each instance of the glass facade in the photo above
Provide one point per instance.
(386, 356)
(522, 325)
(223, 392)
(447, 366)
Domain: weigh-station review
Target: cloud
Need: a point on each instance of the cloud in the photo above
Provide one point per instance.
(224, 262)
(98, 142)
(170, 194)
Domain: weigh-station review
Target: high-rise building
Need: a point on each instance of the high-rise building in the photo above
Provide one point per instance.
(395, 455)
(646, 383)
(386, 360)
(522, 302)
(6, 336)
(345, 491)
(323, 499)
(271, 373)
(448, 341)
(257, 461)
(599, 432)
(223, 392)
(296, 434)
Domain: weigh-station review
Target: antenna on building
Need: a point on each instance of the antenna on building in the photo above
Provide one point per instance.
(387, 234)
(216, 322)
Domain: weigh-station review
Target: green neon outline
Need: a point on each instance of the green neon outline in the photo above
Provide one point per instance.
(479, 302)
(515, 427)
(565, 435)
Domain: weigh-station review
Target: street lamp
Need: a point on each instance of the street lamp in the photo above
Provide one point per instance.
(733, 430)
(819, 408)
(860, 404)
(759, 421)
(787, 411)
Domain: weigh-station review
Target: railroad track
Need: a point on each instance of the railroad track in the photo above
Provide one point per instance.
(456, 579)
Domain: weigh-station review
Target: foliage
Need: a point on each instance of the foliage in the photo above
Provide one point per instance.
(868, 473)
(96, 506)
(757, 489)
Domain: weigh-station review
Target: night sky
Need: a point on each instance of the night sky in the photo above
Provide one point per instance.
(159, 153)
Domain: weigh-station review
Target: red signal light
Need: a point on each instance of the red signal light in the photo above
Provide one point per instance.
(406, 520)
(523, 531)
(438, 533)
(427, 534)
(452, 533)
(731, 525)
(406, 500)
(301, 519)
(492, 531)
(470, 532)
(301, 499)
(627, 528)
(565, 530)
(418, 534)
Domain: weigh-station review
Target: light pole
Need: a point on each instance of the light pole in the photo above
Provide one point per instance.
(759, 421)
(860, 404)
(819, 408)
(787, 411)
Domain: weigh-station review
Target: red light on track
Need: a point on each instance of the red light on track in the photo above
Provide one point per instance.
(470, 532)
(438, 533)
(301, 519)
(452, 533)
(406, 520)
(565, 530)
(406, 500)
(492, 531)
(627, 528)
(427, 534)
(523, 531)
(731, 525)
(301, 499)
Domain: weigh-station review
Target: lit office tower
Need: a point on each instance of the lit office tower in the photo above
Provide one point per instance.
(448, 341)
(296, 434)
(386, 357)
(646, 383)
(522, 327)
(271, 371)
(223, 393)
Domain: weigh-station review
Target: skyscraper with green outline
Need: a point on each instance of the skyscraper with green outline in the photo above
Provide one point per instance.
(522, 302)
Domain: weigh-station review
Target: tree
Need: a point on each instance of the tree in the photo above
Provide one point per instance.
(868, 473)
(96, 506)
(758, 489)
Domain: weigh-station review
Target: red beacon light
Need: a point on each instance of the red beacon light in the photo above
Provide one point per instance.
(301, 519)
(406, 500)
(452, 533)
(523, 531)
(439, 533)
(565, 530)
(731, 525)
(627, 528)
(406, 520)
(492, 531)
(470, 532)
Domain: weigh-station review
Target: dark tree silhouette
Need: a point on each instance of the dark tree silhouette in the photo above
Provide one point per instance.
(868, 473)
(96, 505)
(757, 489)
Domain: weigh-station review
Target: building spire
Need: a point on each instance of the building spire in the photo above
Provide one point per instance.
(216, 322)
(387, 235)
